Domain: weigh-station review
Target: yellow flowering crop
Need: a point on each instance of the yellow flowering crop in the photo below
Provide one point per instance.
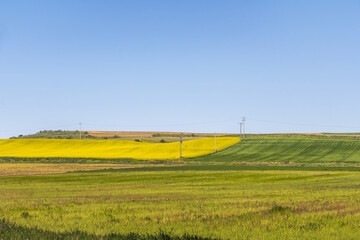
(110, 149)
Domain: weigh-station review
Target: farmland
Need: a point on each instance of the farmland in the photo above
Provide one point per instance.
(110, 149)
(307, 149)
(290, 150)
(264, 187)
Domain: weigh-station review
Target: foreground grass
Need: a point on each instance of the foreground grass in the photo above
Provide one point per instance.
(12, 231)
(214, 204)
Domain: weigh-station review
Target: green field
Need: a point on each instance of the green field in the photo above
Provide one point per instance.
(262, 188)
(289, 149)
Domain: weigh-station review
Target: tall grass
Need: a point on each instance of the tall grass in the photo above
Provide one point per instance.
(12, 231)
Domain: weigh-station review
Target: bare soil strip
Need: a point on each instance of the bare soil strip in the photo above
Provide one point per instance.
(145, 134)
(27, 169)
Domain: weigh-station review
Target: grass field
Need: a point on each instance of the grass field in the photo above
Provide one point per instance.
(214, 204)
(13, 231)
(110, 149)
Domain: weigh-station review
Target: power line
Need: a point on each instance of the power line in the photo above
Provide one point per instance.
(80, 129)
(240, 132)
(180, 147)
(215, 141)
(243, 122)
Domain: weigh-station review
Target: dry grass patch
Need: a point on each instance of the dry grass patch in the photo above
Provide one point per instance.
(26, 169)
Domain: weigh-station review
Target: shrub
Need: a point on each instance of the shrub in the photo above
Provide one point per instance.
(278, 209)
(25, 215)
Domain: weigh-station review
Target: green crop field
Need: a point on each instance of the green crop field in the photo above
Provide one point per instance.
(288, 149)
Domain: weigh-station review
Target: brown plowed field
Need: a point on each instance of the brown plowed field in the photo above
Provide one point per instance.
(146, 134)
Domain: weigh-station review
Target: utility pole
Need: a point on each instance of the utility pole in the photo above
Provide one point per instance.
(80, 129)
(180, 147)
(240, 124)
(243, 123)
(215, 142)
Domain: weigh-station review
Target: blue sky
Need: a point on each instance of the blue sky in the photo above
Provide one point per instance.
(197, 66)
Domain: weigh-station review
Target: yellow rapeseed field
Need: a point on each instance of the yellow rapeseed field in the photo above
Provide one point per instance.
(110, 149)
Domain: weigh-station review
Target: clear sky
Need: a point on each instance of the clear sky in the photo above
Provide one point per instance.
(189, 65)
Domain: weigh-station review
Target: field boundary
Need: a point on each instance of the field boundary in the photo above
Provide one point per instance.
(227, 167)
